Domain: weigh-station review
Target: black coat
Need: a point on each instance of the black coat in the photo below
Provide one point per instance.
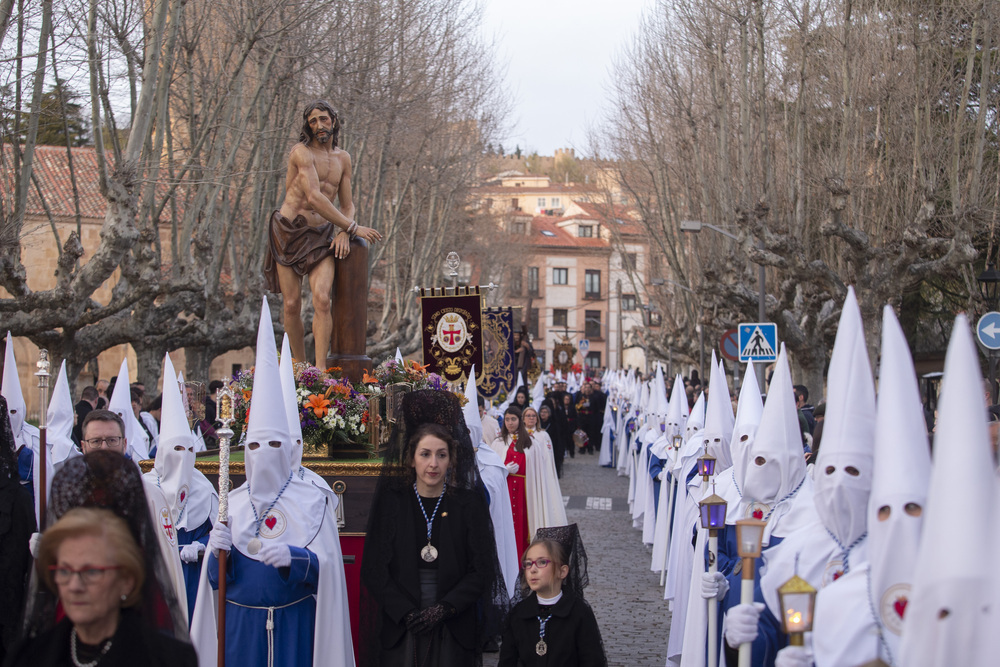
(571, 634)
(17, 523)
(132, 645)
(461, 527)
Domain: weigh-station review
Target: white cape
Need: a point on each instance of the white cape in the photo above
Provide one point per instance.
(166, 535)
(332, 642)
(545, 501)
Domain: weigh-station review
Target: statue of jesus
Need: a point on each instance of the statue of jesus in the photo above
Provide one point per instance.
(308, 232)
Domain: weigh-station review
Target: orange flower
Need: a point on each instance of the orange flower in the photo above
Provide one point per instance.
(368, 379)
(418, 367)
(339, 390)
(318, 405)
(334, 369)
(246, 395)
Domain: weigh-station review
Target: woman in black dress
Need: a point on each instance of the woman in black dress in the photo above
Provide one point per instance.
(17, 523)
(433, 588)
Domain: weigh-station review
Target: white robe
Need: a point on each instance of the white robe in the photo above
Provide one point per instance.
(607, 428)
(544, 495)
(166, 535)
(494, 474)
(844, 630)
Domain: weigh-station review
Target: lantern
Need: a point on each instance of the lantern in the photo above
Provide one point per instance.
(797, 601)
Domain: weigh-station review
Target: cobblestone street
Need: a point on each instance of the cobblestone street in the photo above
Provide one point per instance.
(624, 593)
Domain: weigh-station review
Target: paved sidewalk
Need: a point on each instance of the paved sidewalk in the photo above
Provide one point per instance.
(624, 593)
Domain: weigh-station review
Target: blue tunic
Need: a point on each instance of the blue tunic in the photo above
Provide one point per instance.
(655, 467)
(25, 466)
(255, 592)
(192, 571)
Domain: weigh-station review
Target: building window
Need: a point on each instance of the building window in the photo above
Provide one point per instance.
(560, 317)
(560, 276)
(592, 284)
(532, 281)
(655, 318)
(514, 204)
(518, 228)
(593, 360)
(515, 281)
(541, 202)
(556, 202)
(628, 301)
(632, 260)
(592, 324)
(585, 231)
(533, 323)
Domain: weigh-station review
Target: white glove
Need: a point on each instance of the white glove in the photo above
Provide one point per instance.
(714, 585)
(660, 476)
(190, 553)
(512, 468)
(221, 538)
(741, 623)
(275, 555)
(33, 542)
(794, 656)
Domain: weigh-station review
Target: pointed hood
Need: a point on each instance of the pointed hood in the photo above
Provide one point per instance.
(286, 367)
(660, 405)
(399, 355)
(718, 418)
(696, 420)
(748, 413)
(121, 404)
(11, 390)
(538, 392)
(677, 411)
(948, 618)
(844, 466)
(267, 466)
(59, 426)
(174, 464)
(644, 399)
(471, 409)
(775, 462)
(900, 480)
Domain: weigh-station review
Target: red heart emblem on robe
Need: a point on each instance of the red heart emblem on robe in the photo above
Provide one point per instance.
(183, 496)
(900, 606)
(758, 514)
(270, 521)
(837, 575)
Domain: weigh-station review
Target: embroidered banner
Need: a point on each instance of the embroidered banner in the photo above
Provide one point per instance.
(498, 352)
(452, 331)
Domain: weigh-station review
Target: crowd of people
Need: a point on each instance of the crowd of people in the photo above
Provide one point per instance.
(467, 547)
(847, 499)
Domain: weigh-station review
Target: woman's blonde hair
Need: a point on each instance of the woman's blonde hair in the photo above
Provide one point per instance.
(102, 524)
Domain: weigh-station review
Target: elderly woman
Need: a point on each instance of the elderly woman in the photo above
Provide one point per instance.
(90, 560)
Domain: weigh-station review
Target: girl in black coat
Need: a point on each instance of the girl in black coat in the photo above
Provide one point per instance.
(553, 626)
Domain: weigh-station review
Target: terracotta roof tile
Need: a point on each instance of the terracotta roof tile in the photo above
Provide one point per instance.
(546, 232)
(51, 167)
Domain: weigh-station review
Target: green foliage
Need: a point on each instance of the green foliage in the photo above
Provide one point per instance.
(61, 112)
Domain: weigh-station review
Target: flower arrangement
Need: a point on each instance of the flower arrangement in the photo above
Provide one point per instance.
(332, 411)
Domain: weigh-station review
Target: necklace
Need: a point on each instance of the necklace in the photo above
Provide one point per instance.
(541, 648)
(76, 660)
(429, 553)
(253, 546)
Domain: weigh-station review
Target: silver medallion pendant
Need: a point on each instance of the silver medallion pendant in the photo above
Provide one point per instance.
(541, 648)
(429, 553)
(253, 546)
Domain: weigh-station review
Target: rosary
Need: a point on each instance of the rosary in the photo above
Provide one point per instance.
(429, 553)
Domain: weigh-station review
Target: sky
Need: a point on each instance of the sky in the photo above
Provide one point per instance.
(558, 55)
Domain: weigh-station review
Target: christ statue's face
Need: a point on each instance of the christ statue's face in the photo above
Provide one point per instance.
(321, 125)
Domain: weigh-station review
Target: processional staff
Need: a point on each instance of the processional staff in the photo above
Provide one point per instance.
(43, 385)
(225, 416)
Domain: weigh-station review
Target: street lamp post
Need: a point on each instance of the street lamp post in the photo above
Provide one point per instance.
(989, 287)
(695, 226)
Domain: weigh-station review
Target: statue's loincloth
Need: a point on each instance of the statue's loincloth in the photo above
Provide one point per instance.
(297, 245)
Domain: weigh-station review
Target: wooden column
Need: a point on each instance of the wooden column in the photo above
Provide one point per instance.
(349, 303)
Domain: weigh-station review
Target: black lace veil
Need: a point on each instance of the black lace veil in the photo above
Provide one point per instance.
(108, 480)
(569, 539)
(418, 408)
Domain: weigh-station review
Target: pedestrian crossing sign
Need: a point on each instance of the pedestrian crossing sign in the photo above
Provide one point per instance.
(758, 341)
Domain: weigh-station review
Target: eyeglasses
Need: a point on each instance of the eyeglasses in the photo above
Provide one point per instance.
(102, 443)
(88, 575)
(540, 563)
